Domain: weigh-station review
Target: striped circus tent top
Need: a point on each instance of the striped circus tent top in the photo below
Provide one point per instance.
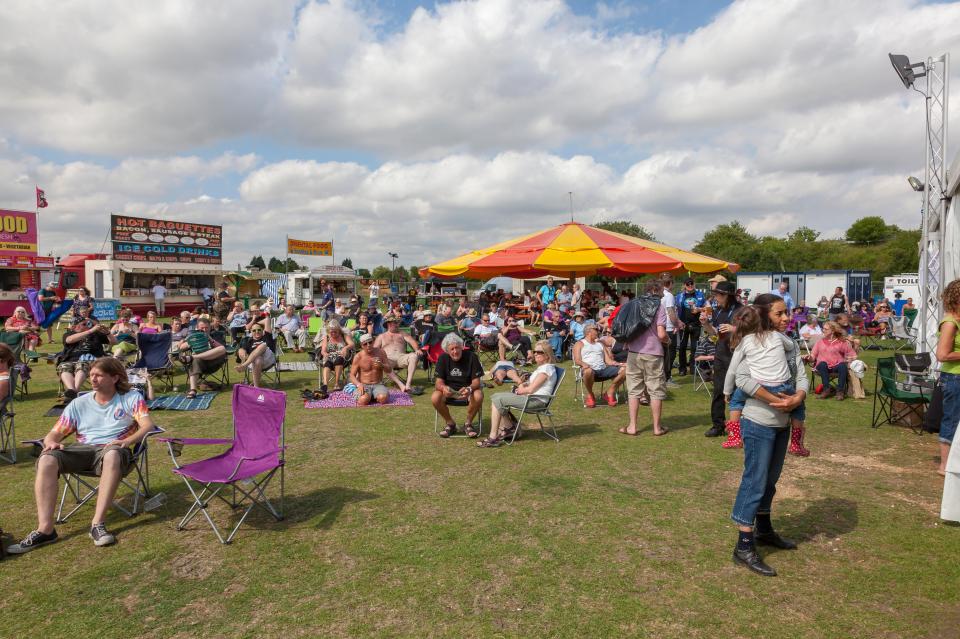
(575, 250)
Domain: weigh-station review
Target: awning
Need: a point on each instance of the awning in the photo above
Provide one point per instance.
(161, 270)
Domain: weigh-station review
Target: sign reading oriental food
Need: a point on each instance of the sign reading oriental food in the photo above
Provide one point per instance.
(140, 239)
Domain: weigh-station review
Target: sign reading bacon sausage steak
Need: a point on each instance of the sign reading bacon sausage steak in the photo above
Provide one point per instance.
(142, 239)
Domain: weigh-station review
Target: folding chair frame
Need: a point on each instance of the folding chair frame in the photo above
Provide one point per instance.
(269, 373)
(699, 381)
(885, 414)
(579, 390)
(8, 442)
(207, 493)
(541, 412)
(82, 490)
(219, 376)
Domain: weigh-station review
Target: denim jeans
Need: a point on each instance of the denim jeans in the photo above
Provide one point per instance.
(764, 449)
(739, 399)
(950, 384)
(841, 371)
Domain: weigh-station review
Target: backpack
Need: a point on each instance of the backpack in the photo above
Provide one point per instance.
(635, 317)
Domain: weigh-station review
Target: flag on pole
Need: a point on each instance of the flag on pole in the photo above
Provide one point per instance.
(41, 199)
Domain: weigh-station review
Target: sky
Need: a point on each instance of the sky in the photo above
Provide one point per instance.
(432, 128)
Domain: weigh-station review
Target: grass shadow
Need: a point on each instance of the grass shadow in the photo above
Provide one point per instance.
(830, 517)
(532, 432)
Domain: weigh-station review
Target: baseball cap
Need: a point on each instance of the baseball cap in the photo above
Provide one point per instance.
(717, 278)
(366, 337)
(688, 281)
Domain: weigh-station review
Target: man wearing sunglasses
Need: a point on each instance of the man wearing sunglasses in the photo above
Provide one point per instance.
(256, 352)
(366, 373)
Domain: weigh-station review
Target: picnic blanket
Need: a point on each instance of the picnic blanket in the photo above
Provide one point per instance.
(297, 366)
(341, 399)
(181, 402)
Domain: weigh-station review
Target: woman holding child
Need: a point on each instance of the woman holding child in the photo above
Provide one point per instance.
(770, 373)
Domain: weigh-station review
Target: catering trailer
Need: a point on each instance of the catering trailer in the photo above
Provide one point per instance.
(132, 282)
(307, 284)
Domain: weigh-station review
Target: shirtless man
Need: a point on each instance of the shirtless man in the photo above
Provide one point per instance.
(367, 373)
(394, 344)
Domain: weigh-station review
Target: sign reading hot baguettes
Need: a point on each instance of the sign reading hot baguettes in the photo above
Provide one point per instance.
(303, 247)
(142, 239)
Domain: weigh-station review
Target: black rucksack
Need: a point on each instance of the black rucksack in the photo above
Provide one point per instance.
(635, 317)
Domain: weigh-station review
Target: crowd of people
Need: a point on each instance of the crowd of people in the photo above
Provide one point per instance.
(754, 356)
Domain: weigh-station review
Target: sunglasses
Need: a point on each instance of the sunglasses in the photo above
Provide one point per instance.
(539, 353)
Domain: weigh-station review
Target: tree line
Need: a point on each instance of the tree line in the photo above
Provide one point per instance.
(870, 244)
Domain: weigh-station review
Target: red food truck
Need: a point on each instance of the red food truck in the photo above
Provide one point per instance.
(20, 266)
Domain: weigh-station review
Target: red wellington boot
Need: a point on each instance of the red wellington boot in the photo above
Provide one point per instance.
(796, 441)
(733, 435)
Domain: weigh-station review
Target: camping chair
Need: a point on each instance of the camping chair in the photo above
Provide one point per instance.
(255, 455)
(579, 391)
(901, 330)
(14, 339)
(82, 490)
(870, 336)
(270, 373)
(155, 356)
(8, 444)
(886, 391)
(463, 403)
(432, 350)
(703, 374)
(543, 411)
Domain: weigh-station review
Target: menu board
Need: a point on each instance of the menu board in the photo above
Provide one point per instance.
(141, 239)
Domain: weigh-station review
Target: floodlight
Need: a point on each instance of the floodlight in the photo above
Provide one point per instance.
(916, 184)
(901, 64)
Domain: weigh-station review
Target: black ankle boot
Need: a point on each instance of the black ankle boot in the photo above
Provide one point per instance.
(750, 559)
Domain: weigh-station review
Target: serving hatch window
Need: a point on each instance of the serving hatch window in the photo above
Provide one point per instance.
(9, 280)
(145, 281)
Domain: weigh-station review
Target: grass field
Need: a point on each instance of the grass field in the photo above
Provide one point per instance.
(391, 531)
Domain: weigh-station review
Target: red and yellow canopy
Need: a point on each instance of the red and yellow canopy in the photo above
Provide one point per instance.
(575, 250)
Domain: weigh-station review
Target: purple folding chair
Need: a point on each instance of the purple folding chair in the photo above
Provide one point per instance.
(255, 455)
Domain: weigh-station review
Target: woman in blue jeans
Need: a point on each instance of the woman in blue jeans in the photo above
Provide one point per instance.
(765, 430)
(948, 354)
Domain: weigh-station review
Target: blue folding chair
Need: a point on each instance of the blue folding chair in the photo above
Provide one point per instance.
(155, 356)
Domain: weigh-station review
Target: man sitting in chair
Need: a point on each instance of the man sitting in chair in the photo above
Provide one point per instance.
(291, 328)
(458, 376)
(200, 354)
(83, 343)
(109, 423)
(485, 333)
(597, 365)
(256, 353)
(367, 371)
(394, 344)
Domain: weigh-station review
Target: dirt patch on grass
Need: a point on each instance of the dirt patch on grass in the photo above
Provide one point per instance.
(197, 562)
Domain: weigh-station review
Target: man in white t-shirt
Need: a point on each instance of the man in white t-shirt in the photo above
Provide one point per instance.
(159, 297)
(108, 423)
(374, 294)
(674, 326)
(485, 333)
(597, 364)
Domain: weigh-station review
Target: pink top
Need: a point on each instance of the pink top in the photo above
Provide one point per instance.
(647, 342)
(833, 352)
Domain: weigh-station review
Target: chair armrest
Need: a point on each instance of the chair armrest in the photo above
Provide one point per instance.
(193, 441)
(279, 449)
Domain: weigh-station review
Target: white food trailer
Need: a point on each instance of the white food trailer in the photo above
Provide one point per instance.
(306, 285)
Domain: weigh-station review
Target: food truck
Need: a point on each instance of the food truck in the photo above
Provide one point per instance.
(184, 257)
(20, 266)
(305, 285)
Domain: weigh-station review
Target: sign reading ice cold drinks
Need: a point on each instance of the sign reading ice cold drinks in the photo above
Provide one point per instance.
(140, 239)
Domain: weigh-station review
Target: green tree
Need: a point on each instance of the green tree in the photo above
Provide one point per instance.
(347, 262)
(626, 227)
(414, 272)
(731, 242)
(804, 234)
(275, 265)
(381, 273)
(869, 230)
(257, 262)
(364, 273)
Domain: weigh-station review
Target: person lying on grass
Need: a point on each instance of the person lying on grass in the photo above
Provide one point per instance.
(367, 371)
(458, 376)
(109, 423)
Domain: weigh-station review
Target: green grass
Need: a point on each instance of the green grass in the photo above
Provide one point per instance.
(391, 531)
